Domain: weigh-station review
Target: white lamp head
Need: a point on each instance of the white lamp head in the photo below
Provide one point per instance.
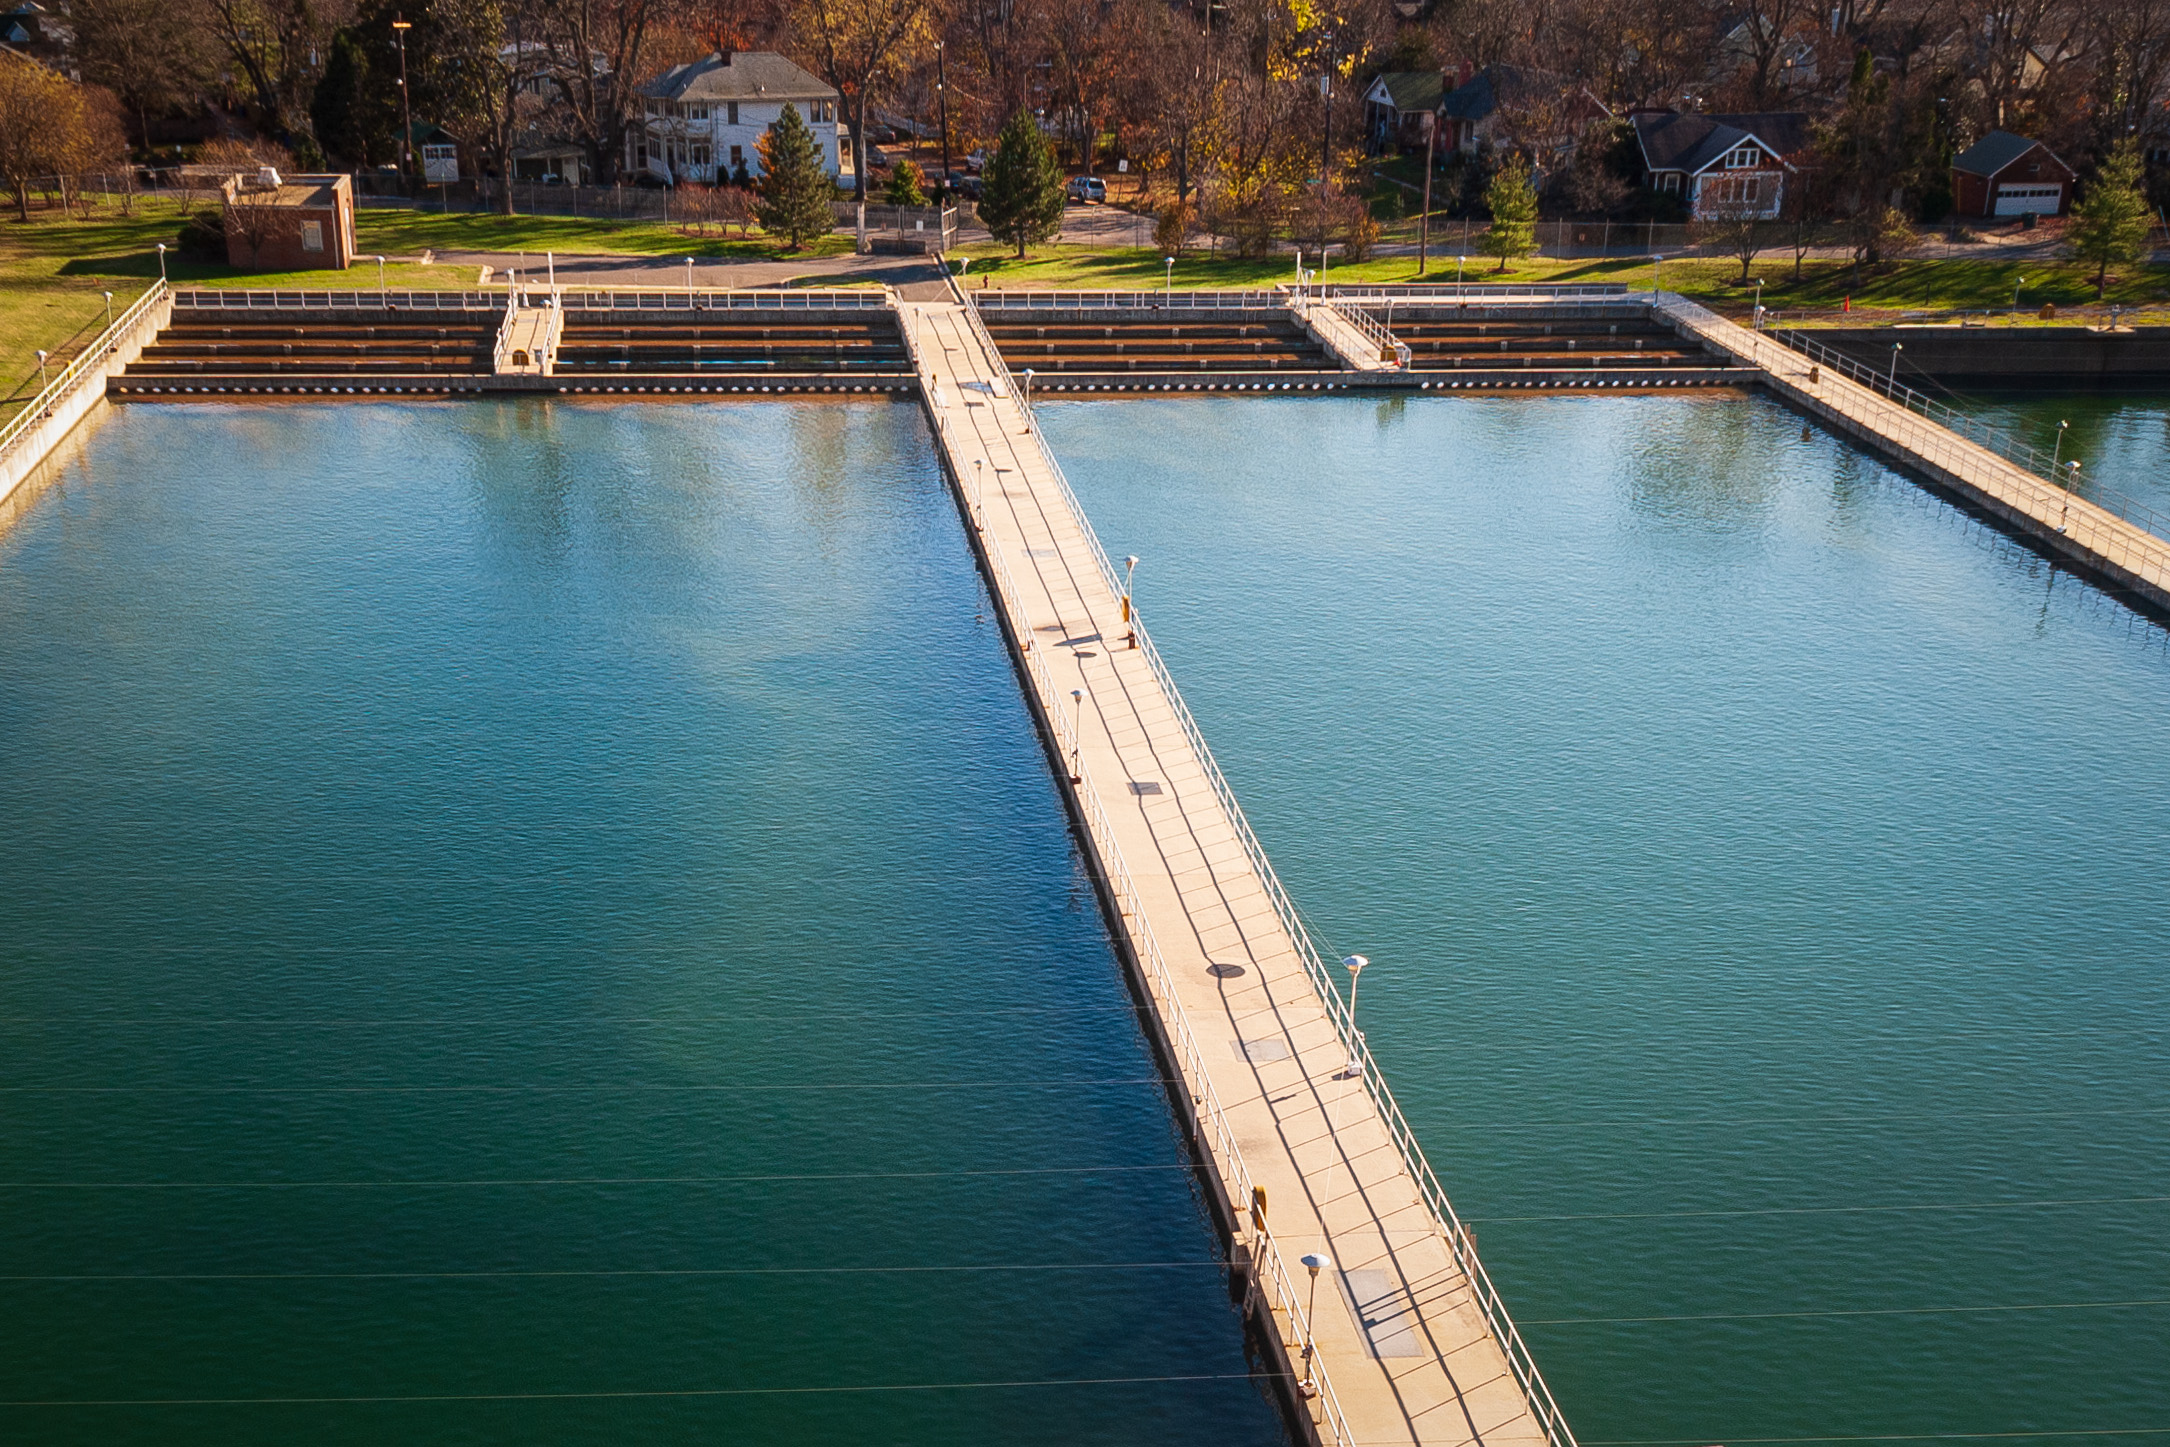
(1355, 963)
(1316, 1263)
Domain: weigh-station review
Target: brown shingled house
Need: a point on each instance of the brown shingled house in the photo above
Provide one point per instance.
(289, 223)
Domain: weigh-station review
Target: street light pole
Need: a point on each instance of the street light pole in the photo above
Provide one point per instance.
(41, 372)
(2058, 450)
(1424, 222)
(1355, 964)
(941, 99)
(108, 309)
(1168, 291)
(400, 27)
(1314, 1263)
(383, 297)
(161, 261)
(1077, 710)
(1892, 381)
(689, 281)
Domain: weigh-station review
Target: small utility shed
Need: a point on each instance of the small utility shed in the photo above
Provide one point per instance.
(1399, 107)
(2006, 175)
(289, 223)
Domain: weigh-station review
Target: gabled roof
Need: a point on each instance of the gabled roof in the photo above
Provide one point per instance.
(1994, 152)
(1675, 142)
(742, 75)
(1494, 86)
(1412, 90)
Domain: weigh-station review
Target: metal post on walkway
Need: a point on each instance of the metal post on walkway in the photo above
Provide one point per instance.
(108, 309)
(1314, 1263)
(1355, 964)
(1077, 709)
(383, 297)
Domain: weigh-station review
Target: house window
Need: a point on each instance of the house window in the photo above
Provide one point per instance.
(697, 153)
(697, 113)
(738, 157)
(1742, 158)
(730, 113)
(1670, 181)
(312, 236)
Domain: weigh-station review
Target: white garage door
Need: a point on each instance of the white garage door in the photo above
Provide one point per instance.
(2018, 200)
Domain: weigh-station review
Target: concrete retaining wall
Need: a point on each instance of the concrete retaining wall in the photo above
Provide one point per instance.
(2062, 356)
(60, 414)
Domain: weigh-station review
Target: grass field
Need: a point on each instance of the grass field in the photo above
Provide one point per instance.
(54, 269)
(1825, 288)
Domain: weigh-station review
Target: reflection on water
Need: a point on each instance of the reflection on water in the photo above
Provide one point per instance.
(542, 923)
(1761, 865)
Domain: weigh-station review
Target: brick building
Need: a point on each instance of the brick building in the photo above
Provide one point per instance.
(289, 223)
(2006, 175)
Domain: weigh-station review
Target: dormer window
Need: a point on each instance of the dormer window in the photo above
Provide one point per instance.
(1743, 158)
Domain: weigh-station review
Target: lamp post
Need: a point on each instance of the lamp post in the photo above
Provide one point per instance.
(1314, 1263)
(1130, 571)
(1459, 263)
(382, 295)
(2058, 450)
(979, 490)
(1077, 709)
(1424, 222)
(1028, 397)
(2015, 292)
(1892, 381)
(108, 309)
(400, 27)
(1326, 132)
(41, 372)
(161, 261)
(550, 259)
(941, 100)
(1355, 965)
(1168, 291)
(689, 281)
(1759, 303)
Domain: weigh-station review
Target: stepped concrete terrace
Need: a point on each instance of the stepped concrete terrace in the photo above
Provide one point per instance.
(223, 343)
(1403, 338)
(1304, 1152)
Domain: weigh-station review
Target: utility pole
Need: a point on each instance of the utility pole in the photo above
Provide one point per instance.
(1326, 140)
(400, 27)
(1424, 224)
(941, 98)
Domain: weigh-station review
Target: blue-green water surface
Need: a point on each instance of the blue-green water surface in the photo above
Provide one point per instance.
(2121, 439)
(550, 924)
(1764, 871)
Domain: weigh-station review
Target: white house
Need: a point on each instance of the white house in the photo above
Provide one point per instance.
(704, 119)
(1722, 165)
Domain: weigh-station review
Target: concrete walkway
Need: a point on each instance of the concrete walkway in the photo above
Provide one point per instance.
(1407, 1353)
(2063, 523)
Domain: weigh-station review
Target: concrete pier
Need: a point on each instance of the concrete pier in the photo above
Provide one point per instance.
(1305, 1151)
(2059, 522)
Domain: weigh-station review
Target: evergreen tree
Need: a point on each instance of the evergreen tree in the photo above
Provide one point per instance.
(2109, 227)
(795, 190)
(904, 186)
(1512, 200)
(1023, 198)
(342, 107)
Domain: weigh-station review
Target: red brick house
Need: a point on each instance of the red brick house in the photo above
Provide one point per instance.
(2006, 175)
(289, 223)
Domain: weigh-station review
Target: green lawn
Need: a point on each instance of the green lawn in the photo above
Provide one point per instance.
(54, 268)
(1824, 290)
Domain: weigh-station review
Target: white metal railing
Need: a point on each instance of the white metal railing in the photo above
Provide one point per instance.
(583, 298)
(1386, 347)
(1222, 1151)
(2024, 455)
(808, 299)
(1126, 300)
(219, 298)
(503, 343)
(2114, 539)
(1463, 1246)
(1577, 291)
(38, 408)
